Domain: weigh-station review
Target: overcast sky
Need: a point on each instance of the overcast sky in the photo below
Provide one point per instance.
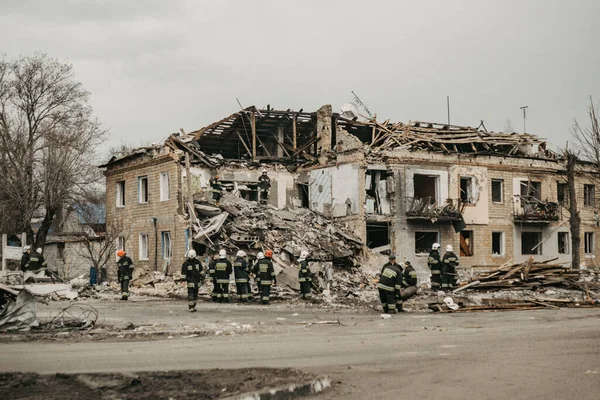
(156, 66)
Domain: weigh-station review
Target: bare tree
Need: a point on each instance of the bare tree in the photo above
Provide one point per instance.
(587, 140)
(48, 140)
(574, 216)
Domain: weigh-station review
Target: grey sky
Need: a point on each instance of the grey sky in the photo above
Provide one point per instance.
(156, 66)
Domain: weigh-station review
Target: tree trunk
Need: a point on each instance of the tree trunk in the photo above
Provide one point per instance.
(575, 219)
(42, 233)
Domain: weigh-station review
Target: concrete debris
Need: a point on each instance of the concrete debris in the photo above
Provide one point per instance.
(17, 310)
(53, 290)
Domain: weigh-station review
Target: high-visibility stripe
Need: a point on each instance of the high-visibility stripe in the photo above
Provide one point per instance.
(398, 287)
(265, 298)
(436, 272)
(385, 287)
(266, 282)
(222, 281)
(241, 280)
(301, 279)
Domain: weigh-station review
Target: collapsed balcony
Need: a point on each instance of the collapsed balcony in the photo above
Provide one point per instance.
(532, 210)
(434, 210)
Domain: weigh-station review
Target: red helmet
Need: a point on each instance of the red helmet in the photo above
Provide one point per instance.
(120, 253)
(269, 253)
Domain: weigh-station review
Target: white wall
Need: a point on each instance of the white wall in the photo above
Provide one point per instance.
(478, 213)
(333, 186)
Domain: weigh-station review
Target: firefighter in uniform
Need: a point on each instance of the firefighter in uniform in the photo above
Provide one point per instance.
(211, 273)
(255, 271)
(389, 285)
(266, 273)
(37, 262)
(449, 264)
(217, 189)
(25, 258)
(435, 265)
(304, 276)
(264, 186)
(409, 281)
(223, 269)
(124, 273)
(240, 270)
(192, 270)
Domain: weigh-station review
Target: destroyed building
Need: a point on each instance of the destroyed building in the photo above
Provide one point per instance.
(397, 187)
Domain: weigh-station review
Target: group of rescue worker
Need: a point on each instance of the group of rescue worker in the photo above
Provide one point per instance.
(443, 269)
(35, 263)
(264, 188)
(219, 271)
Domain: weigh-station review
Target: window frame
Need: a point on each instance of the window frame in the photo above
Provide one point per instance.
(567, 242)
(589, 240)
(120, 194)
(539, 250)
(589, 200)
(501, 182)
(437, 240)
(144, 240)
(169, 252)
(143, 190)
(502, 244)
(469, 198)
(165, 195)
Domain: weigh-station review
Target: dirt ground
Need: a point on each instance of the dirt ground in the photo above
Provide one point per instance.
(208, 384)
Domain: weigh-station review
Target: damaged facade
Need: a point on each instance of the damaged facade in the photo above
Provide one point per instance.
(397, 187)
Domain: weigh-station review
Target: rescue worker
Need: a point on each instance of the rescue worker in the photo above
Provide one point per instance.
(223, 269)
(217, 189)
(211, 273)
(304, 276)
(192, 270)
(435, 265)
(25, 258)
(389, 285)
(266, 273)
(264, 186)
(409, 282)
(255, 271)
(124, 273)
(240, 270)
(449, 264)
(37, 262)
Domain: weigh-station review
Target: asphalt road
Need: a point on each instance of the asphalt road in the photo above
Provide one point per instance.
(546, 354)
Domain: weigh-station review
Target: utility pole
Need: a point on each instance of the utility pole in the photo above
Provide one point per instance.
(524, 108)
(448, 106)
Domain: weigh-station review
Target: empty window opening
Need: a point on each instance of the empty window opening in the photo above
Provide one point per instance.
(120, 245)
(143, 189)
(121, 194)
(497, 190)
(498, 243)
(589, 195)
(531, 242)
(531, 189)
(378, 234)
(466, 243)
(376, 186)
(562, 193)
(424, 241)
(303, 194)
(166, 245)
(425, 186)
(165, 192)
(466, 190)
(143, 248)
(563, 242)
(248, 190)
(588, 242)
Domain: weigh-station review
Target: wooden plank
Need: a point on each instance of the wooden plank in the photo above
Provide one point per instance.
(526, 270)
(475, 283)
(253, 124)
(294, 132)
(244, 143)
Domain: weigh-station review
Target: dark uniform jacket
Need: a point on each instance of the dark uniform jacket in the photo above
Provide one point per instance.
(36, 262)
(449, 262)
(241, 270)
(125, 268)
(409, 277)
(390, 278)
(216, 186)
(264, 182)
(24, 261)
(192, 270)
(211, 268)
(304, 275)
(265, 271)
(222, 270)
(433, 262)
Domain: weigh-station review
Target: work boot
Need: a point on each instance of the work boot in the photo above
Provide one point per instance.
(192, 310)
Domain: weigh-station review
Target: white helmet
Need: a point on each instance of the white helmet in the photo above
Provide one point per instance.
(449, 247)
(222, 253)
(39, 250)
(264, 171)
(241, 253)
(192, 254)
(435, 246)
(304, 254)
(260, 256)
(26, 248)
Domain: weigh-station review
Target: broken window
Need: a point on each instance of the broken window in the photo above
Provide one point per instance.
(497, 190)
(498, 243)
(248, 191)
(143, 247)
(121, 194)
(303, 195)
(424, 241)
(531, 189)
(378, 195)
(589, 195)
(466, 190)
(588, 242)
(164, 186)
(425, 186)
(378, 235)
(142, 189)
(466, 243)
(563, 242)
(562, 194)
(166, 245)
(531, 242)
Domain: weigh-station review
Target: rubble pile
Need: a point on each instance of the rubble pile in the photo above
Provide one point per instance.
(248, 225)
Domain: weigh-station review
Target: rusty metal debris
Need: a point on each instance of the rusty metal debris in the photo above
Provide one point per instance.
(75, 317)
